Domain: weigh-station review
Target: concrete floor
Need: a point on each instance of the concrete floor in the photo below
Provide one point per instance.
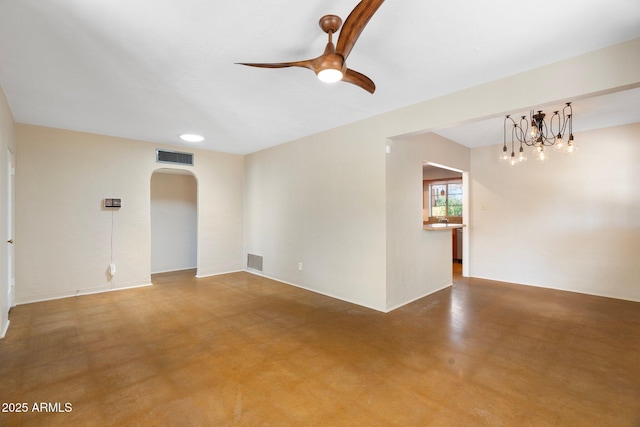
(239, 349)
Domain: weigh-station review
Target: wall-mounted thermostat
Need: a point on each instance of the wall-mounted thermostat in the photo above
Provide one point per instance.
(112, 203)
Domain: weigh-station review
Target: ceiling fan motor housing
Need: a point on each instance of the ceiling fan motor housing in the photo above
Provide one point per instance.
(330, 23)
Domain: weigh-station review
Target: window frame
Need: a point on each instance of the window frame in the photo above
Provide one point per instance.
(443, 181)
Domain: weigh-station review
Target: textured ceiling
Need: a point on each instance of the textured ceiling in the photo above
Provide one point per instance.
(151, 70)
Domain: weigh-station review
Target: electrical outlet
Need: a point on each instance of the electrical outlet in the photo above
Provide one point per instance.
(299, 266)
(112, 269)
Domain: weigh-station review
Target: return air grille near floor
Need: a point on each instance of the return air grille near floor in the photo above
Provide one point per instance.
(254, 262)
(174, 157)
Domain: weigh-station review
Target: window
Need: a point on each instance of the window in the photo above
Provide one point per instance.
(445, 198)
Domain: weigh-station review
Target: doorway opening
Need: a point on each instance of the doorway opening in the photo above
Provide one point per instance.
(174, 221)
(446, 200)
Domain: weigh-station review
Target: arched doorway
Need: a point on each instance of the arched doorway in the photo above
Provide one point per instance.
(174, 221)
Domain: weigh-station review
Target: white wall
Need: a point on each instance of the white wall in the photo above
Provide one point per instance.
(63, 233)
(418, 261)
(572, 223)
(7, 141)
(174, 237)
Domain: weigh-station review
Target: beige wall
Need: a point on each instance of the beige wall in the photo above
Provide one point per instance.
(418, 261)
(351, 213)
(330, 200)
(320, 201)
(7, 142)
(572, 223)
(64, 233)
(430, 173)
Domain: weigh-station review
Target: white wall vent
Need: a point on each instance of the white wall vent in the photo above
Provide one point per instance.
(174, 157)
(254, 262)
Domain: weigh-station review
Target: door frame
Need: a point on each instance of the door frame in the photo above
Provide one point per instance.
(10, 206)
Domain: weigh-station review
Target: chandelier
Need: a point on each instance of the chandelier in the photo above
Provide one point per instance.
(536, 133)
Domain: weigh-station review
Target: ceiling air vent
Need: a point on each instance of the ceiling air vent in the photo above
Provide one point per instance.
(174, 157)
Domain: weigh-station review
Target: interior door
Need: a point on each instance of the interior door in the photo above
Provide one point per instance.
(11, 281)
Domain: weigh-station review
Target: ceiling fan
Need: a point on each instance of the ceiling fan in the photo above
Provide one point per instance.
(331, 66)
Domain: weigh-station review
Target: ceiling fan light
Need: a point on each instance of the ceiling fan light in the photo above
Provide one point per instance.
(330, 75)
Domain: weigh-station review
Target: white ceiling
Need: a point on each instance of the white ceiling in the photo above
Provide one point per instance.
(614, 109)
(153, 69)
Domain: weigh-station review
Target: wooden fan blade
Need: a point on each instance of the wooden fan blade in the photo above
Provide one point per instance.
(305, 64)
(354, 24)
(360, 80)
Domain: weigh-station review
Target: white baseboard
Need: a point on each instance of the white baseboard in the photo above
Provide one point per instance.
(575, 291)
(257, 273)
(417, 298)
(388, 310)
(4, 330)
(198, 276)
(77, 293)
(174, 271)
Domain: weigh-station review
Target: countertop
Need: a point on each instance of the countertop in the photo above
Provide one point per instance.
(442, 226)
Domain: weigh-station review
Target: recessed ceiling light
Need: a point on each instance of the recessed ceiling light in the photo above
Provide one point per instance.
(191, 137)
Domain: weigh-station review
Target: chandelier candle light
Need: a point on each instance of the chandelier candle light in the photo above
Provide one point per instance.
(534, 132)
